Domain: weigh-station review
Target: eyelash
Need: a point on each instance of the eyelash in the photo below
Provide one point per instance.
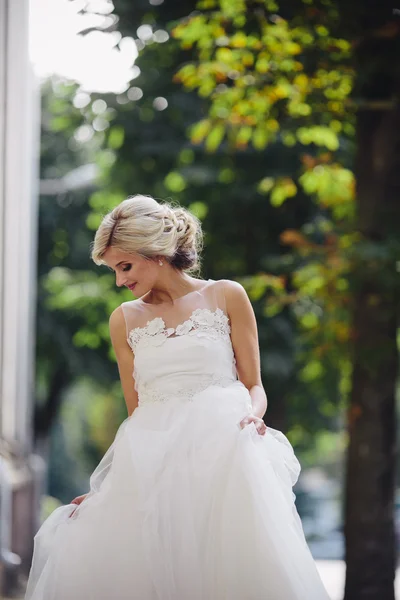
(127, 268)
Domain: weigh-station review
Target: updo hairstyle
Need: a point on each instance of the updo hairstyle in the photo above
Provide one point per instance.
(141, 225)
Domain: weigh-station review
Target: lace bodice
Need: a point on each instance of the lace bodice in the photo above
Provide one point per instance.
(202, 321)
(175, 363)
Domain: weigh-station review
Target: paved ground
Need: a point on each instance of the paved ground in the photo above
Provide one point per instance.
(333, 575)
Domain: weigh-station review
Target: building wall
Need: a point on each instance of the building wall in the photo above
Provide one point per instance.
(19, 152)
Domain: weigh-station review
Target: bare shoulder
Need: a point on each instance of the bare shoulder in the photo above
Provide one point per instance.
(239, 309)
(117, 317)
(117, 321)
(234, 292)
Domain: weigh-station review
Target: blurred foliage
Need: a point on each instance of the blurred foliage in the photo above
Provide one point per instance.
(299, 77)
(74, 300)
(276, 216)
(288, 81)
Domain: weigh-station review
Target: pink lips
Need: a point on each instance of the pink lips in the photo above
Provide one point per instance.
(132, 287)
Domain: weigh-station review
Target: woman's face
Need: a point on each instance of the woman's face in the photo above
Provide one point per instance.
(132, 270)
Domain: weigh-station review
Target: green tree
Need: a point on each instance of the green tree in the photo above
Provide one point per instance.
(153, 155)
(310, 73)
(142, 149)
(70, 294)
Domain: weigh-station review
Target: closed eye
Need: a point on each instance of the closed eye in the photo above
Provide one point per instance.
(127, 268)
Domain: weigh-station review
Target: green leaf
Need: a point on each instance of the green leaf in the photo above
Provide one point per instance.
(215, 138)
(313, 370)
(116, 136)
(283, 189)
(226, 175)
(199, 131)
(260, 138)
(175, 182)
(199, 209)
(266, 185)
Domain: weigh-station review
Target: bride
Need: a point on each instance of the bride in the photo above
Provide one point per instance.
(193, 500)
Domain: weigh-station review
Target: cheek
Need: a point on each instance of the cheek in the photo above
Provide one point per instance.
(145, 271)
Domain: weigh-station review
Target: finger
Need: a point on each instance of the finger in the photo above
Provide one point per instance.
(77, 500)
(261, 428)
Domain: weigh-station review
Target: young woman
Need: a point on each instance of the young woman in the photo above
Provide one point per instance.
(193, 500)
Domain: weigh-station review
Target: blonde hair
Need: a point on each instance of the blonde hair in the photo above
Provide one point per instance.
(141, 225)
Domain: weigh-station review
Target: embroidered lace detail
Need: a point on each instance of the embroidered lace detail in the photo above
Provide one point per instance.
(148, 395)
(202, 321)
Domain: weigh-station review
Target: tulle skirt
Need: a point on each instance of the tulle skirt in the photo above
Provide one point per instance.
(184, 505)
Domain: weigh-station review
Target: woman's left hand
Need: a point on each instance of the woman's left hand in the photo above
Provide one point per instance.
(258, 422)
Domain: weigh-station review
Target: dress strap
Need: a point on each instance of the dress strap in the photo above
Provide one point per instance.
(133, 315)
(218, 291)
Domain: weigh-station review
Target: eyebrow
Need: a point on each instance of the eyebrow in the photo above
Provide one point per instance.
(117, 265)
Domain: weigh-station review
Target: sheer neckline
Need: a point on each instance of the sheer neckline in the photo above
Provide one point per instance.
(207, 282)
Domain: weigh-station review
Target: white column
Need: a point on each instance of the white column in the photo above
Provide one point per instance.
(19, 149)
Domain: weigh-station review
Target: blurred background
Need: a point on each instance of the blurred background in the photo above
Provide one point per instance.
(278, 125)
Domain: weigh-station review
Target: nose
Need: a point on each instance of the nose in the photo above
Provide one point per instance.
(120, 279)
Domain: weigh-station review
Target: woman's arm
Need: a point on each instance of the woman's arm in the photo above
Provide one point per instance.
(125, 358)
(125, 362)
(244, 336)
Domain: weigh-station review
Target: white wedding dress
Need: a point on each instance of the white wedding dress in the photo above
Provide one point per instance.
(184, 505)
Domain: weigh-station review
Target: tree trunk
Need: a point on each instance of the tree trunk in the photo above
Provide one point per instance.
(370, 476)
